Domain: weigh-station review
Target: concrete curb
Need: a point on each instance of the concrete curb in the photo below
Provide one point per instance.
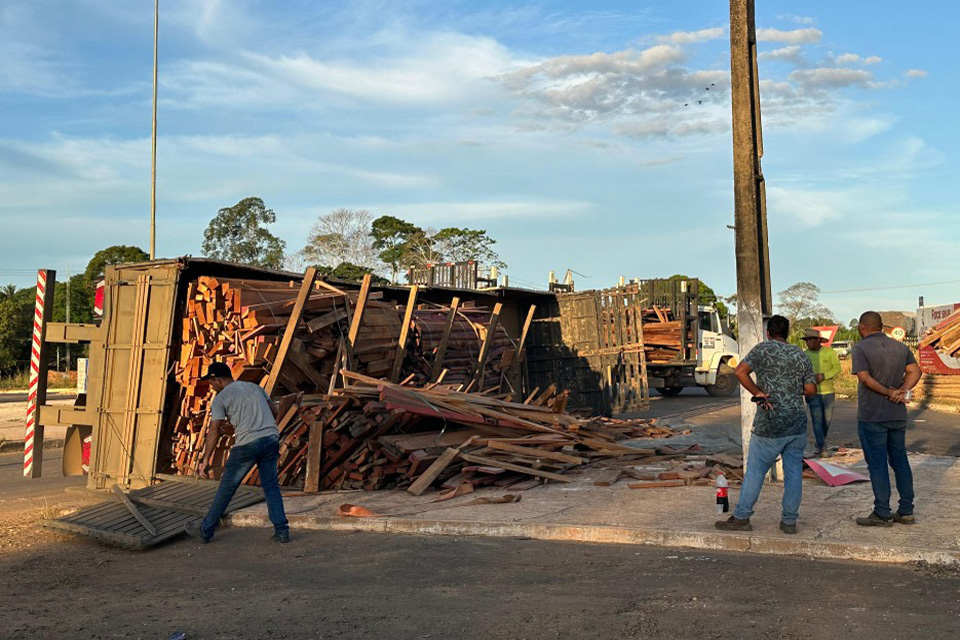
(615, 535)
(6, 446)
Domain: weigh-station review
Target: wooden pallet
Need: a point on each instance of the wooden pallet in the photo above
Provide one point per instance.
(167, 507)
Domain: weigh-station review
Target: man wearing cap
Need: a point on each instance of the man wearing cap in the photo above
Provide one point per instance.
(248, 408)
(826, 367)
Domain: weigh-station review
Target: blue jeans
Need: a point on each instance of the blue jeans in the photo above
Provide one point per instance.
(883, 442)
(763, 454)
(263, 452)
(821, 413)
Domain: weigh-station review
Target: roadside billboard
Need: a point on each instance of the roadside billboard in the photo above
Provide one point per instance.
(933, 360)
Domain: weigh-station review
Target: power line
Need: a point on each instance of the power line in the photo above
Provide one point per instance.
(901, 286)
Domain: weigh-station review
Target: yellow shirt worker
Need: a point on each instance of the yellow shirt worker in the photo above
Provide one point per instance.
(826, 367)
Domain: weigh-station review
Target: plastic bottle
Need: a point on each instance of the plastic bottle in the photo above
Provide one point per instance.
(723, 501)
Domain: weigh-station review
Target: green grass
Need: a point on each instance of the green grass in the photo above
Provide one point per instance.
(845, 384)
(19, 381)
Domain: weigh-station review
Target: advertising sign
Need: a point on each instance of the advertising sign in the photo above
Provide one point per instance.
(931, 359)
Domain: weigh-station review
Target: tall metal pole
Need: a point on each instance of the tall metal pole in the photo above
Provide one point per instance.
(153, 139)
(754, 299)
(67, 346)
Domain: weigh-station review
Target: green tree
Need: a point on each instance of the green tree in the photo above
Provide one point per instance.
(461, 245)
(394, 239)
(708, 297)
(239, 234)
(117, 254)
(16, 325)
(347, 271)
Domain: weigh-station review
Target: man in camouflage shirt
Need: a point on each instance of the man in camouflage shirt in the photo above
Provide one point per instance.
(784, 376)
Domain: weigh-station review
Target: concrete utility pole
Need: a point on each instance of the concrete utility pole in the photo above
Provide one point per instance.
(754, 299)
(153, 138)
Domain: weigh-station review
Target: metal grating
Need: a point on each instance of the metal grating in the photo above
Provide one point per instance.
(168, 506)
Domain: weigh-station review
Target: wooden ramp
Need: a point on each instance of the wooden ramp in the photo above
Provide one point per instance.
(150, 515)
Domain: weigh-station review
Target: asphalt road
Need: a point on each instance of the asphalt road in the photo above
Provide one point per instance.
(353, 585)
(933, 432)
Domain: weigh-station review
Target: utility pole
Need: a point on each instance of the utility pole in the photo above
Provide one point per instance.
(68, 320)
(153, 139)
(754, 299)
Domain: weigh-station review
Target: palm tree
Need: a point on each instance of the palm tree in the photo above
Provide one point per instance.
(8, 291)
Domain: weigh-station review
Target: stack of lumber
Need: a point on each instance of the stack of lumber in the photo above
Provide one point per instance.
(937, 388)
(242, 323)
(373, 434)
(452, 339)
(662, 336)
(945, 337)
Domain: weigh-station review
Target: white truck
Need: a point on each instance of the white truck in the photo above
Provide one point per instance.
(708, 353)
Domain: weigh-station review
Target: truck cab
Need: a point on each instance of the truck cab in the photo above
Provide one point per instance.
(717, 353)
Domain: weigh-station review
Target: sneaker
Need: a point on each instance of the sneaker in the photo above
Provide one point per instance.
(194, 530)
(873, 520)
(901, 519)
(788, 528)
(733, 524)
(282, 538)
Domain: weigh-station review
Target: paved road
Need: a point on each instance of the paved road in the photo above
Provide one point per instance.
(932, 432)
(343, 585)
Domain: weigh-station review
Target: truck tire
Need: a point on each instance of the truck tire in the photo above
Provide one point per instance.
(669, 391)
(726, 384)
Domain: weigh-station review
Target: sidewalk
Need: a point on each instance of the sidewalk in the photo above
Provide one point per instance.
(12, 424)
(671, 517)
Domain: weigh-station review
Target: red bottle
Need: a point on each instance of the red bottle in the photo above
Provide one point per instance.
(723, 502)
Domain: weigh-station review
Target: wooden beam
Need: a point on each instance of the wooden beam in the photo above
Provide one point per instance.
(314, 452)
(132, 508)
(485, 349)
(308, 279)
(427, 477)
(72, 333)
(357, 317)
(442, 349)
(515, 366)
(493, 462)
(404, 332)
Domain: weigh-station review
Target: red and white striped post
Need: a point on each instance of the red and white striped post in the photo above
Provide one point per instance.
(37, 397)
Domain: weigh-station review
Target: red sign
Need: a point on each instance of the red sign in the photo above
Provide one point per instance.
(933, 361)
(828, 331)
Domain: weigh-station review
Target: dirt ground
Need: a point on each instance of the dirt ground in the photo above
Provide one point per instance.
(336, 585)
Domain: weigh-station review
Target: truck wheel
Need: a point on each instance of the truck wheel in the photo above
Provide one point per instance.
(669, 391)
(726, 384)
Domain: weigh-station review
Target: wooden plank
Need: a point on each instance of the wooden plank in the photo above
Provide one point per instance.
(515, 369)
(434, 470)
(485, 349)
(358, 315)
(132, 508)
(493, 462)
(444, 341)
(314, 451)
(404, 332)
(533, 452)
(308, 279)
(327, 319)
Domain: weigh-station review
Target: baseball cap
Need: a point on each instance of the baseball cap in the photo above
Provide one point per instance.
(217, 370)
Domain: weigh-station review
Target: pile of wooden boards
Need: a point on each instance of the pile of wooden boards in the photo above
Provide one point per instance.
(945, 337)
(452, 338)
(295, 337)
(662, 336)
(937, 388)
(373, 434)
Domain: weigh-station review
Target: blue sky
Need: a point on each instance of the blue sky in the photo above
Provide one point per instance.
(580, 135)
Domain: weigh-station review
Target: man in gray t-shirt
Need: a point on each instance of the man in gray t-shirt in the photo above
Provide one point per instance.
(886, 370)
(253, 416)
(784, 376)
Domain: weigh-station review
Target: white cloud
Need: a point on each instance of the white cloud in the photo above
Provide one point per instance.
(438, 69)
(916, 73)
(872, 60)
(834, 78)
(848, 58)
(796, 36)
(690, 37)
(457, 212)
(792, 54)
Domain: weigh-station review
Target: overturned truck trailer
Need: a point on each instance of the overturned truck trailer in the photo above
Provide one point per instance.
(137, 382)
